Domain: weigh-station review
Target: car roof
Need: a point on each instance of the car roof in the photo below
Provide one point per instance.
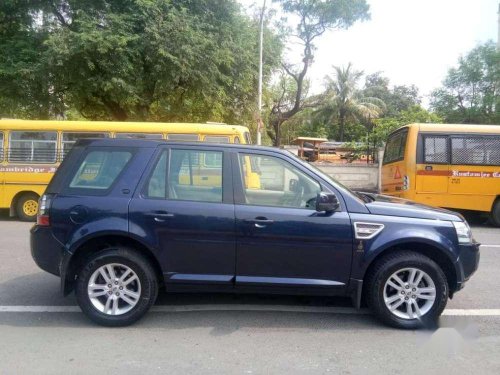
(152, 143)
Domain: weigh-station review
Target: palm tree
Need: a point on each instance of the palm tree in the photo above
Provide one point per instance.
(343, 100)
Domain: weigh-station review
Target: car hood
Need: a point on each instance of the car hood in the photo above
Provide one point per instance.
(391, 206)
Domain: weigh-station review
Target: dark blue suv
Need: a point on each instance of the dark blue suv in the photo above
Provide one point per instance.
(121, 218)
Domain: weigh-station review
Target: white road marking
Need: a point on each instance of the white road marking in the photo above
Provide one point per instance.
(495, 246)
(243, 307)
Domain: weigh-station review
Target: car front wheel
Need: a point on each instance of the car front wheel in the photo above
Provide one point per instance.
(116, 287)
(407, 290)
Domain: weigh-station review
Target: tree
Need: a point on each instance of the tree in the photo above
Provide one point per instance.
(386, 125)
(314, 18)
(471, 91)
(396, 98)
(344, 101)
(170, 60)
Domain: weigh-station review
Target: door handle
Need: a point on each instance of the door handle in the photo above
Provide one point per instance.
(161, 216)
(259, 222)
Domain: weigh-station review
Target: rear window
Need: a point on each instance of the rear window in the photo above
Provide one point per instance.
(395, 147)
(100, 169)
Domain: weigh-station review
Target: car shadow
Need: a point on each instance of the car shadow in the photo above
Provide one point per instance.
(41, 289)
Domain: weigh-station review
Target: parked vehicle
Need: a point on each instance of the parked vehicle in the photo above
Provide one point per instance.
(31, 151)
(445, 165)
(122, 217)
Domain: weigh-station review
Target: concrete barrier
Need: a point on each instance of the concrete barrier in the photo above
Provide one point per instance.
(356, 177)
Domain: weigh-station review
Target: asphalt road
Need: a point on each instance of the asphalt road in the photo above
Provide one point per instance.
(221, 334)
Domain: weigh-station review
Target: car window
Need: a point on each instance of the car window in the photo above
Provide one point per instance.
(278, 183)
(156, 186)
(100, 169)
(195, 175)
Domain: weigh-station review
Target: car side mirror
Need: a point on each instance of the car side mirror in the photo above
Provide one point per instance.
(327, 202)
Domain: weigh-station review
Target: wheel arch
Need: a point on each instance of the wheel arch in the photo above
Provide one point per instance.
(15, 199)
(433, 252)
(97, 243)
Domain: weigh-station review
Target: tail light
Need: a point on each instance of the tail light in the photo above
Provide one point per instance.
(43, 218)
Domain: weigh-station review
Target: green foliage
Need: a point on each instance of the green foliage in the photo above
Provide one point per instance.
(396, 98)
(471, 91)
(344, 102)
(313, 17)
(385, 126)
(169, 60)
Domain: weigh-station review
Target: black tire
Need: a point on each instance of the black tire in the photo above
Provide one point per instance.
(390, 264)
(495, 214)
(28, 212)
(138, 264)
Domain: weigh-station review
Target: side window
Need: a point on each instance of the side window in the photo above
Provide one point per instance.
(195, 175)
(475, 150)
(1, 146)
(139, 135)
(436, 149)
(248, 139)
(156, 187)
(216, 139)
(183, 137)
(70, 138)
(492, 150)
(281, 184)
(36, 147)
(237, 140)
(100, 169)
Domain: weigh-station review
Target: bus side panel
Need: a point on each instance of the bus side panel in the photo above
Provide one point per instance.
(24, 178)
(473, 187)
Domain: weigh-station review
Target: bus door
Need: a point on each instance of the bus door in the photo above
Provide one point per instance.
(433, 168)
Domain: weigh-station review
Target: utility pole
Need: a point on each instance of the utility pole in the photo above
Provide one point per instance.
(260, 123)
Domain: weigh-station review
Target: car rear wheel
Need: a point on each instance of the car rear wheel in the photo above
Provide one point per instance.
(116, 287)
(27, 207)
(495, 214)
(407, 290)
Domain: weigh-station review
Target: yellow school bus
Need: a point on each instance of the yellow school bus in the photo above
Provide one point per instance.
(445, 165)
(31, 151)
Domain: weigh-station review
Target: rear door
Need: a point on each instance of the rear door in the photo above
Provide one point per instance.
(433, 168)
(185, 210)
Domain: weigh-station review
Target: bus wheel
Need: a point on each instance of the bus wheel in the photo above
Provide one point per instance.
(495, 214)
(27, 207)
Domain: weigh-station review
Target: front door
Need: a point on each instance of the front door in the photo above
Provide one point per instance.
(185, 209)
(281, 240)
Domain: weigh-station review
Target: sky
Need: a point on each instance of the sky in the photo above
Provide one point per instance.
(410, 41)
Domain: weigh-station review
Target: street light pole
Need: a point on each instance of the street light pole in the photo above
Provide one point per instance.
(260, 123)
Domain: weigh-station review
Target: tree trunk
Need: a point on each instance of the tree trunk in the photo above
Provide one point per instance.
(342, 125)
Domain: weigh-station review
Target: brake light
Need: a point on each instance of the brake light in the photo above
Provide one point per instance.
(43, 218)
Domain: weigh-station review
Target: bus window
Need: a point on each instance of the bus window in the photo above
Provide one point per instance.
(237, 140)
(38, 147)
(1, 146)
(248, 139)
(139, 135)
(475, 150)
(436, 149)
(395, 147)
(216, 139)
(182, 137)
(69, 139)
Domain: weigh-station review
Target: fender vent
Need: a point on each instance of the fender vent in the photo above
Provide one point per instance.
(365, 231)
